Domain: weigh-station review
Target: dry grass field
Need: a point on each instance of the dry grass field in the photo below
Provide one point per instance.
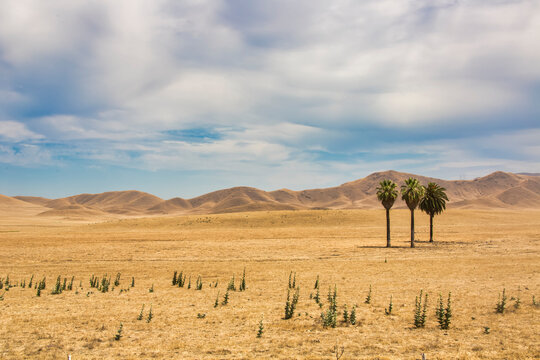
(475, 255)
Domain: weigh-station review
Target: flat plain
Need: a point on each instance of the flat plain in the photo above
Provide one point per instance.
(476, 254)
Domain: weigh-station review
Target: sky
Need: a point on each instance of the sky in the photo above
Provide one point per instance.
(184, 97)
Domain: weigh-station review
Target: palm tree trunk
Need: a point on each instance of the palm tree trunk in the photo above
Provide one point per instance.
(388, 228)
(412, 228)
(430, 227)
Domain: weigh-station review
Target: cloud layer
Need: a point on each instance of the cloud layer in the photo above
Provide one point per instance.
(281, 93)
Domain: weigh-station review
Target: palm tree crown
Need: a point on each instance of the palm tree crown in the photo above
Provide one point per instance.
(387, 193)
(434, 200)
(412, 192)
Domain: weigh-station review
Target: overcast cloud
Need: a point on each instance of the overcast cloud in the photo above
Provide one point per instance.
(269, 94)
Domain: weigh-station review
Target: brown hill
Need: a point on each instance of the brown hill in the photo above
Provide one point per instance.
(497, 190)
(10, 206)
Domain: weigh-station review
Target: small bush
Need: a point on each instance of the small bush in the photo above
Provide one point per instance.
(290, 304)
(352, 318)
(443, 314)
(231, 286)
(292, 280)
(420, 310)
(242, 286)
(225, 298)
(388, 311)
(260, 331)
(141, 314)
(329, 318)
(501, 304)
(368, 297)
(150, 315)
(118, 335)
(216, 303)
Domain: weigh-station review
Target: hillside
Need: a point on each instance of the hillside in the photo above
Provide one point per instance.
(497, 190)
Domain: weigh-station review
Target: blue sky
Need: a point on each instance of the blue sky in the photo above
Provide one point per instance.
(179, 98)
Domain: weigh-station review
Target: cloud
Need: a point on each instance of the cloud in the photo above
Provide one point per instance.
(322, 89)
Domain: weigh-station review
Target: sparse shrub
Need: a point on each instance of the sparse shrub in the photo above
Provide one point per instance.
(64, 285)
(38, 292)
(486, 330)
(292, 280)
(368, 297)
(444, 315)
(317, 298)
(70, 285)
(420, 310)
(231, 286)
(132, 281)
(199, 284)
(30, 282)
(338, 351)
(216, 303)
(388, 311)
(242, 286)
(174, 280)
(181, 279)
(117, 280)
(189, 283)
(501, 304)
(290, 304)
(58, 287)
(216, 284)
(260, 331)
(151, 290)
(201, 315)
(150, 315)
(225, 298)
(316, 286)
(23, 283)
(353, 316)
(345, 314)
(118, 335)
(329, 318)
(140, 317)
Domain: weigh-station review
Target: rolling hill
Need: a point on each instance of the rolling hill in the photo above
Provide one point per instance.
(496, 190)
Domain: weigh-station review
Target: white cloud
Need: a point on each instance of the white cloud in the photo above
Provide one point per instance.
(16, 131)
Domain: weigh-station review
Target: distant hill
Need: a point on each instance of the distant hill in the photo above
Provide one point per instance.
(497, 190)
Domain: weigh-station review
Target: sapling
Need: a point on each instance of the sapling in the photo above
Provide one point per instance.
(345, 314)
(132, 281)
(216, 303)
(150, 315)
(117, 280)
(30, 282)
(316, 286)
(174, 278)
(151, 290)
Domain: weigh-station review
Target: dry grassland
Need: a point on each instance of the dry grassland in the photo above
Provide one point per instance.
(475, 256)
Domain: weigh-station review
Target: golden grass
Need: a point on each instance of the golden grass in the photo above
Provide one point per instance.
(476, 255)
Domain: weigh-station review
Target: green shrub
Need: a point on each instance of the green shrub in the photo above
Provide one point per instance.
(242, 286)
(290, 304)
(388, 311)
(150, 315)
(292, 280)
(118, 335)
(352, 318)
(420, 310)
(368, 297)
(231, 286)
(501, 304)
(329, 318)
(141, 314)
(260, 331)
(225, 298)
(444, 315)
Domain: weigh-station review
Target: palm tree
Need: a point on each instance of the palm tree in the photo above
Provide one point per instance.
(387, 194)
(412, 192)
(433, 203)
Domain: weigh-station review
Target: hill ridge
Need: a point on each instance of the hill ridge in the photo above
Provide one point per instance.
(496, 190)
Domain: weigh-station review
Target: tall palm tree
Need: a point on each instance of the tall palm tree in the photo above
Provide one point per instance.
(412, 192)
(387, 194)
(433, 203)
